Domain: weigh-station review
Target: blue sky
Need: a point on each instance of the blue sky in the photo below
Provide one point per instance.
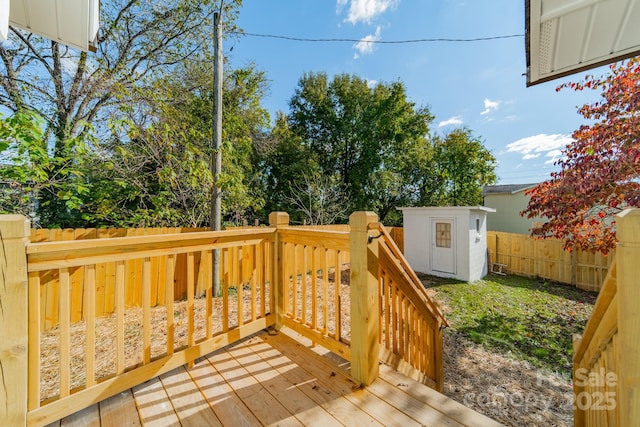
(479, 85)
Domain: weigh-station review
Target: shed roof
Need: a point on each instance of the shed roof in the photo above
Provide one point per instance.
(506, 189)
(446, 208)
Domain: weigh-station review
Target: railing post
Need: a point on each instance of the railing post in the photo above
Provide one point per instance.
(14, 236)
(277, 220)
(628, 254)
(364, 299)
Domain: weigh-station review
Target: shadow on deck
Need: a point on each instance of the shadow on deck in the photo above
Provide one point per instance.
(274, 379)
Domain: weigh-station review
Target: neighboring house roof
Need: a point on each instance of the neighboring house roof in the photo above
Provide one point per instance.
(506, 189)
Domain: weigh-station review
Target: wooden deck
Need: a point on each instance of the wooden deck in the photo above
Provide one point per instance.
(272, 379)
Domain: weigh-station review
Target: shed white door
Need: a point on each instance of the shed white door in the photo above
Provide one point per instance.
(443, 257)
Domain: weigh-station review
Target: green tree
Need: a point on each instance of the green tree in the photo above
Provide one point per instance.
(463, 165)
(361, 136)
(285, 161)
(158, 173)
(30, 176)
(76, 92)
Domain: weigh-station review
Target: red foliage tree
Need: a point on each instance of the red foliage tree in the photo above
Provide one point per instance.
(600, 171)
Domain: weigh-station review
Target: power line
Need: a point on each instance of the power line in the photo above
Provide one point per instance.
(348, 40)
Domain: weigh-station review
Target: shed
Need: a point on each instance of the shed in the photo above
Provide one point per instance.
(447, 241)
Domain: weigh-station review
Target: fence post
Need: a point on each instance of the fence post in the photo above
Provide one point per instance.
(14, 236)
(277, 220)
(628, 254)
(364, 299)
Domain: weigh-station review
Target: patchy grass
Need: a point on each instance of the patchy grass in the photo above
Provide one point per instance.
(529, 319)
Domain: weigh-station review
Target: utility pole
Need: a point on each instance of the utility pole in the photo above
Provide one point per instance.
(216, 158)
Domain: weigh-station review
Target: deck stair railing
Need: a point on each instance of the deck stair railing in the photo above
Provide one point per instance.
(411, 322)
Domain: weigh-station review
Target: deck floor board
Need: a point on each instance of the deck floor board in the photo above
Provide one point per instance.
(273, 379)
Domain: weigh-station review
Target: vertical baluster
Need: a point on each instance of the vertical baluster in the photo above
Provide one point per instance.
(325, 288)
(146, 310)
(90, 320)
(168, 301)
(204, 256)
(314, 288)
(65, 323)
(261, 267)
(240, 286)
(394, 314)
(387, 312)
(254, 274)
(190, 298)
(34, 341)
(294, 282)
(225, 290)
(303, 294)
(119, 303)
(338, 310)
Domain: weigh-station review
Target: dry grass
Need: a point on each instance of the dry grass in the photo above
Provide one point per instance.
(105, 336)
(510, 391)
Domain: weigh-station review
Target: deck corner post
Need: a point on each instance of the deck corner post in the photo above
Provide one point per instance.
(14, 237)
(628, 254)
(278, 220)
(365, 319)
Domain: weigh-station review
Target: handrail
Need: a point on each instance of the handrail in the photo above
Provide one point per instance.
(407, 271)
(48, 255)
(605, 298)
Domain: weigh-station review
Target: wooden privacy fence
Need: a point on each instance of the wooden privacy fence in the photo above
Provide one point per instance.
(606, 360)
(323, 283)
(546, 258)
(524, 255)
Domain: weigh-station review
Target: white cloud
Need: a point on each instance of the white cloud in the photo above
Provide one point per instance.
(364, 46)
(365, 10)
(455, 120)
(340, 4)
(371, 83)
(490, 106)
(535, 146)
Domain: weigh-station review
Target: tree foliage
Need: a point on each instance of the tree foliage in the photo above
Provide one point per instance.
(599, 174)
(78, 93)
(157, 173)
(377, 145)
(463, 165)
(29, 171)
(358, 134)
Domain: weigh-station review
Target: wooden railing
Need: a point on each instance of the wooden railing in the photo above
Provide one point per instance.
(237, 266)
(411, 321)
(606, 360)
(131, 308)
(197, 327)
(314, 292)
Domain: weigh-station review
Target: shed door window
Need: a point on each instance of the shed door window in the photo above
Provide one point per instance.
(443, 234)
